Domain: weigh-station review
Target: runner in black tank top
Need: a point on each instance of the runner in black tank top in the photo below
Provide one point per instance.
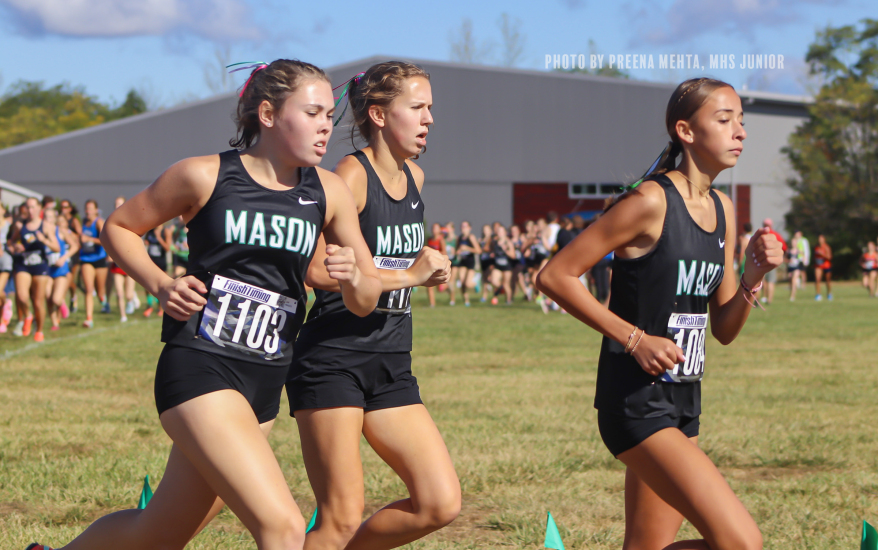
(394, 231)
(353, 376)
(29, 241)
(673, 239)
(254, 219)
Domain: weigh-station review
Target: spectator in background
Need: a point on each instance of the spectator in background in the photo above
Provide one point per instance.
(771, 276)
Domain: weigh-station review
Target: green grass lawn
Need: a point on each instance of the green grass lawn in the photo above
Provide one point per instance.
(790, 414)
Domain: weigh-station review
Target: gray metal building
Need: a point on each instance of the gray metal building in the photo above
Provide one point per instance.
(507, 144)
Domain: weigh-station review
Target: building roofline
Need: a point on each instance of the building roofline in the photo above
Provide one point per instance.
(750, 96)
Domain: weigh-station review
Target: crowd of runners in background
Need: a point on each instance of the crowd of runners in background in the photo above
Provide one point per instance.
(51, 250)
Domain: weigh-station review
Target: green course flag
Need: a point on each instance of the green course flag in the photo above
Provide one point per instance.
(313, 521)
(553, 537)
(145, 495)
(870, 537)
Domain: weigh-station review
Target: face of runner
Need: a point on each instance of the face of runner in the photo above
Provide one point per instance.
(717, 130)
(91, 210)
(486, 231)
(304, 123)
(409, 118)
(34, 209)
(465, 228)
(50, 215)
(119, 201)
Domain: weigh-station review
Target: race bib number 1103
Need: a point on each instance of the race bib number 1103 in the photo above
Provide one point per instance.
(687, 330)
(248, 318)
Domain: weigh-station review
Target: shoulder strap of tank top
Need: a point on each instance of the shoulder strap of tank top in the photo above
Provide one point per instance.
(412, 187)
(720, 213)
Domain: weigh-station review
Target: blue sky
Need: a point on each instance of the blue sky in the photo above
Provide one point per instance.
(164, 47)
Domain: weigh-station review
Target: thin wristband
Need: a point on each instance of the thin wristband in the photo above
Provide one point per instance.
(630, 338)
(642, 332)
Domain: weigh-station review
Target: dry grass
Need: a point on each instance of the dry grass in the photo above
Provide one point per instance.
(790, 413)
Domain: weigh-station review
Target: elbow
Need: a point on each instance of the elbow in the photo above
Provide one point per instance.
(543, 282)
(723, 338)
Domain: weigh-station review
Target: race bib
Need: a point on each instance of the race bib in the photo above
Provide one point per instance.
(501, 261)
(395, 301)
(32, 258)
(250, 319)
(87, 247)
(687, 330)
(155, 251)
(53, 257)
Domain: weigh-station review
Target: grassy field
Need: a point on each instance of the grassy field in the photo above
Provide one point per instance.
(790, 414)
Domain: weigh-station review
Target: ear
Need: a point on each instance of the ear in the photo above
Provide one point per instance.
(265, 113)
(684, 131)
(376, 114)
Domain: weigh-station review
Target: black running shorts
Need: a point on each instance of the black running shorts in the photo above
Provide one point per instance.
(621, 433)
(185, 373)
(323, 377)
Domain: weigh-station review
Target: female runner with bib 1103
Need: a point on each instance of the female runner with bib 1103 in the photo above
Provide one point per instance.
(673, 238)
(351, 376)
(254, 214)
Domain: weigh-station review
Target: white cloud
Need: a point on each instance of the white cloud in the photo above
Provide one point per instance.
(219, 20)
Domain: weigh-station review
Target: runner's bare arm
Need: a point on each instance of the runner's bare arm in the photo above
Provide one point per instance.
(729, 308)
(180, 191)
(347, 257)
(631, 227)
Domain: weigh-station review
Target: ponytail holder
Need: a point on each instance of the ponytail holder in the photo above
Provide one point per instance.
(344, 93)
(256, 65)
(651, 168)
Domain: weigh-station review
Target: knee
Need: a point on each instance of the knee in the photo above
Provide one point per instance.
(441, 509)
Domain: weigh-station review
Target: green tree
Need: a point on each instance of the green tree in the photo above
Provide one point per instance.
(835, 152)
(30, 111)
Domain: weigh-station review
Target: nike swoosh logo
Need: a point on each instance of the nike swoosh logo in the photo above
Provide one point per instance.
(305, 203)
(415, 204)
(722, 243)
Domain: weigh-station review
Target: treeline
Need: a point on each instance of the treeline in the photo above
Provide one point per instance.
(31, 111)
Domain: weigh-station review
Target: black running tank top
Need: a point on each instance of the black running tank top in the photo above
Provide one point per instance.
(666, 293)
(251, 246)
(394, 231)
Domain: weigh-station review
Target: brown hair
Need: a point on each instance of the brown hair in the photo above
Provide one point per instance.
(689, 96)
(379, 85)
(272, 83)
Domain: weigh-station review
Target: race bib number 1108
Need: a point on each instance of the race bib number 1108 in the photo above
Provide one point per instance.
(687, 330)
(248, 318)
